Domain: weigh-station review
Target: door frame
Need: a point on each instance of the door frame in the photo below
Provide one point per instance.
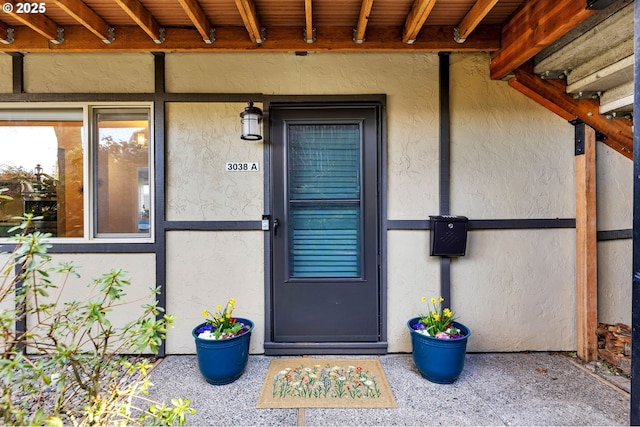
(293, 348)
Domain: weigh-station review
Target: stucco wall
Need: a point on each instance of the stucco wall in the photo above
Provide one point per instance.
(615, 212)
(140, 271)
(511, 159)
(201, 138)
(87, 73)
(207, 268)
(6, 82)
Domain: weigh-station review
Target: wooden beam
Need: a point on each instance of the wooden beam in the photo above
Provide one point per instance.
(552, 95)
(6, 34)
(415, 20)
(199, 18)
(473, 18)
(309, 31)
(38, 22)
(247, 9)
(363, 20)
(88, 18)
(586, 244)
(143, 18)
(281, 39)
(536, 25)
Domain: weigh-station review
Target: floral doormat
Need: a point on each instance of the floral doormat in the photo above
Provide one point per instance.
(326, 383)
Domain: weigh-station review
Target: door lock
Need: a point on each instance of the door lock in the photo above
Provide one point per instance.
(276, 224)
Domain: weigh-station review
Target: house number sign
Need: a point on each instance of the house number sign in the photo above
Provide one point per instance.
(242, 167)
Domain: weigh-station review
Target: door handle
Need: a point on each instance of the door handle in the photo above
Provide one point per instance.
(276, 224)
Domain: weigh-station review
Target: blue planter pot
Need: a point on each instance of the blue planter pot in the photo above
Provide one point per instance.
(439, 360)
(223, 361)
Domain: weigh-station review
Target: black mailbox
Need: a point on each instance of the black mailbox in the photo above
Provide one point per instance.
(448, 235)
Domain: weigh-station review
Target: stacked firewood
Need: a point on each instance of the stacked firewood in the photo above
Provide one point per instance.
(614, 345)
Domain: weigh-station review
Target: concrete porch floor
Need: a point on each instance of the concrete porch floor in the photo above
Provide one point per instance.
(494, 389)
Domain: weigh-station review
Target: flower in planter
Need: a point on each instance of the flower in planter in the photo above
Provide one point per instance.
(438, 321)
(221, 324)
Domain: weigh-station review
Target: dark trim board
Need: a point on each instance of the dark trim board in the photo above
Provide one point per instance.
(213, 225)
(488, 224)
(278, 349)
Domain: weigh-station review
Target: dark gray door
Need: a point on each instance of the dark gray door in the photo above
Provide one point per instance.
(326, 237)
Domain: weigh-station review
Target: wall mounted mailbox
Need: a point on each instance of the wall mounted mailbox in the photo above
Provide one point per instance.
(448, 235)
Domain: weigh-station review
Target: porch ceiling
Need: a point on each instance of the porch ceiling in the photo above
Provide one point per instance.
(589, 43)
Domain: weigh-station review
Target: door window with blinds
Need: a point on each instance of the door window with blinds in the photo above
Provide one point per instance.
(324, 200)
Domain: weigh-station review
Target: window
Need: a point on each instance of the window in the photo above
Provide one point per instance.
(100, 192)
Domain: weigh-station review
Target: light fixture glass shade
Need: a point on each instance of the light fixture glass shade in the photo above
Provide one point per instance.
(251, 118)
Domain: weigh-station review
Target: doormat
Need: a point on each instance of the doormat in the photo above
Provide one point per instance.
(326, 383)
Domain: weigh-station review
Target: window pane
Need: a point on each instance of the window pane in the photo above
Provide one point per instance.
(42, 167)
(122, 172)
(324, 200)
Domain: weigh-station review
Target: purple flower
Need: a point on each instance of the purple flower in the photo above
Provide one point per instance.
(203, 328)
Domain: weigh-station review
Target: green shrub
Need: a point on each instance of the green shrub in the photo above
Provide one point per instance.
(66, 363)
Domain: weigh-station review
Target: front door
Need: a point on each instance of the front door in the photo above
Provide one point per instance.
(325, 233)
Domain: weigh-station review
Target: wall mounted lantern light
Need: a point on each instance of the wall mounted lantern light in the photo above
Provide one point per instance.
(250, 119)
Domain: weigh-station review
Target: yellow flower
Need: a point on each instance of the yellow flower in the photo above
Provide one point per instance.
(228, 315)
(218, 307)
(423, 299)
(441, 299)
(436, 316)
(447, 312)
(216, 315)
(433, 300)
(205, 313)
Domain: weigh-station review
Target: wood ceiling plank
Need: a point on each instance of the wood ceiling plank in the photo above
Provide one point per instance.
(282, 39)
(247, 9)
(309, 36)
(88, 18)
(552, 95)
(143, 18)
(199, 18)
(415, 20)
(38, 22)
(536, 25)
(472, 19)
(363, 20)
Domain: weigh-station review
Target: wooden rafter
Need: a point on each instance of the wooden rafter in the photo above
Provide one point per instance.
(247, 9)
(415, 20)
(552, 95)
(143, 18)
(88, 18)
(38, 22)
(199, 18)
(473, 18)
(6, 34)
(532, 28)
(234, 39)
(309, 31)
(363, 20)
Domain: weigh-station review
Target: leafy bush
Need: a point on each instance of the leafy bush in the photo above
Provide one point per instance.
(66, 363)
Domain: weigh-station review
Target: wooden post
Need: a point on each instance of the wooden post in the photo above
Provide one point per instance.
(586, 243)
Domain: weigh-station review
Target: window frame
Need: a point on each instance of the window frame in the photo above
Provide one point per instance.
(89, 145)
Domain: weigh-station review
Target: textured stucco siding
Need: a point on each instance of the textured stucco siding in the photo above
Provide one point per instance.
(6, 81)
(88, 73)
(207, 268)
(511, 159)
(140, 269)
(615, 258)
(201, 138)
